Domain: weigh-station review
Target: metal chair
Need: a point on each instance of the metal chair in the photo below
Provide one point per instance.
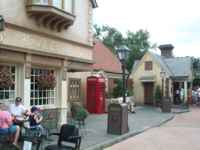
(68, 133)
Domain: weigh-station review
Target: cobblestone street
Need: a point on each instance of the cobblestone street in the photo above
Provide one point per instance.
(95, 132)
(181, 133)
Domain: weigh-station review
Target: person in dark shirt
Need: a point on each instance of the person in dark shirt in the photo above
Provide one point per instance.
(35, 118)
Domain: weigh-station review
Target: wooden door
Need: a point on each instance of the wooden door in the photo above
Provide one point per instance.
(148, 93)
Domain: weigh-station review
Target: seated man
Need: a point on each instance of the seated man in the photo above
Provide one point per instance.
(18, 111)
(6, 124)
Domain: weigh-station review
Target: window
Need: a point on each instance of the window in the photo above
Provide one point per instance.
(68, 6)
(148, 65)
(74, 89)
(41, 96)
(57, 3)
(43, 2)
(7, 95)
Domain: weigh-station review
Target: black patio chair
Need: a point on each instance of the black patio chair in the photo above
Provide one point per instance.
(68, 133)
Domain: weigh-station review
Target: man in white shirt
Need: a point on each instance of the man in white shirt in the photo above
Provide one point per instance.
(18, 111)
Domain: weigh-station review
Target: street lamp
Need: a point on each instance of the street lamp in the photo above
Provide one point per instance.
(122, 54)
(2, 23)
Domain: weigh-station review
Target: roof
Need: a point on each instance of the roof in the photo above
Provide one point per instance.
(174, 67)
(161, 61)
(180, 66)
(104, 59)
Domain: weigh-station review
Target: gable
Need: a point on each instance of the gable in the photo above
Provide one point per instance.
(104, 59)
(141, 64)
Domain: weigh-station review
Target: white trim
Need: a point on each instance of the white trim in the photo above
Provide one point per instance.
(27, 92)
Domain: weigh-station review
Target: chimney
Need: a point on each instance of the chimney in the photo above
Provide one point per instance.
(166, 50)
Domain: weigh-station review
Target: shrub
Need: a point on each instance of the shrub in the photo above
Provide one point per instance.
(118, 90)
(158, 95)
(78, 112)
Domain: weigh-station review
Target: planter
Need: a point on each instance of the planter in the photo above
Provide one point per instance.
(46, 81)
(166, 104)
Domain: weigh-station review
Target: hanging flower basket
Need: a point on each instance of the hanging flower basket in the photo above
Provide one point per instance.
(6, 80)
(47, 81)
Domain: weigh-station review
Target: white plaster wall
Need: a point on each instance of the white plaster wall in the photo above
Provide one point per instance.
(14, 11)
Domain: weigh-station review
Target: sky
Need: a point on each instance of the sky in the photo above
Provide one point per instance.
(175, 22)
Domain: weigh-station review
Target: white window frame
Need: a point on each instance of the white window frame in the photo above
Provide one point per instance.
(50, 95)
(74, 89)
(10, 99)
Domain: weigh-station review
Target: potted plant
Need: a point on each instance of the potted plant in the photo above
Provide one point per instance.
(79, 113)
(47, 81)
(6, 80)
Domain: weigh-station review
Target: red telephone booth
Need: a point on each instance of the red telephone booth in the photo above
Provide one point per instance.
(96, 94)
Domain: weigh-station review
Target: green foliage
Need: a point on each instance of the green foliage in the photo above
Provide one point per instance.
(130, 92)
(137, 42)
(81, 114)
(78, 112)
(158, 94)
(118, 90)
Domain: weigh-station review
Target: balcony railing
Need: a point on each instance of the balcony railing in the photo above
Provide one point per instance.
(55, 14)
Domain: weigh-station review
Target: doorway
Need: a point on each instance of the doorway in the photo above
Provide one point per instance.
(148, 93)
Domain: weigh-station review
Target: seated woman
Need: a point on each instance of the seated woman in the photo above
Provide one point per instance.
(6, 125)
(35, 118)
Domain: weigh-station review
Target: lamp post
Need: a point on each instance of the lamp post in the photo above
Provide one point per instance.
(119, 125)
(122, 54)
(162, 74)
(2, 23)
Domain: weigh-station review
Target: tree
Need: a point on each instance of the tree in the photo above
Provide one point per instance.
(110, 37)
(138, 42)
(196, 71)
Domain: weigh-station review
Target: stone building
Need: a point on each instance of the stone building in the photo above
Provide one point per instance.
(42, 37)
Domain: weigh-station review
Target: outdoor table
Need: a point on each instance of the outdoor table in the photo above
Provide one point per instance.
(32, 135)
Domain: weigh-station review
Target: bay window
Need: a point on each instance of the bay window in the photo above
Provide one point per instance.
(66, 5)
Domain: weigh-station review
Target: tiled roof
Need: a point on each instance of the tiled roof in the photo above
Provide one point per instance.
(104, 59)
(175, 66)
(180, 66)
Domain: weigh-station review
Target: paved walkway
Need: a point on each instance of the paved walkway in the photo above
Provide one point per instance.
(96, 137)
(182, 133)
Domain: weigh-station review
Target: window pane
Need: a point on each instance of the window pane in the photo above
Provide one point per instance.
(7, 95)
(44, 2)
(39, 96)
(148, 65)
(74, 89)
(57, 3)
(68, 6)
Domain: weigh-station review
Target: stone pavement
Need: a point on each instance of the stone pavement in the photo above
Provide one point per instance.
(181, 133)
(95, 136)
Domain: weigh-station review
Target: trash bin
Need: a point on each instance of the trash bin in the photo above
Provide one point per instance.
(166, 104)
(117, 119)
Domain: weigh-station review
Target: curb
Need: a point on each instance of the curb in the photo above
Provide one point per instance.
(182, 111)
(125, 136)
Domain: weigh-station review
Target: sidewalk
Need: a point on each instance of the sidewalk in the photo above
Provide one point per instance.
(94, 134)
